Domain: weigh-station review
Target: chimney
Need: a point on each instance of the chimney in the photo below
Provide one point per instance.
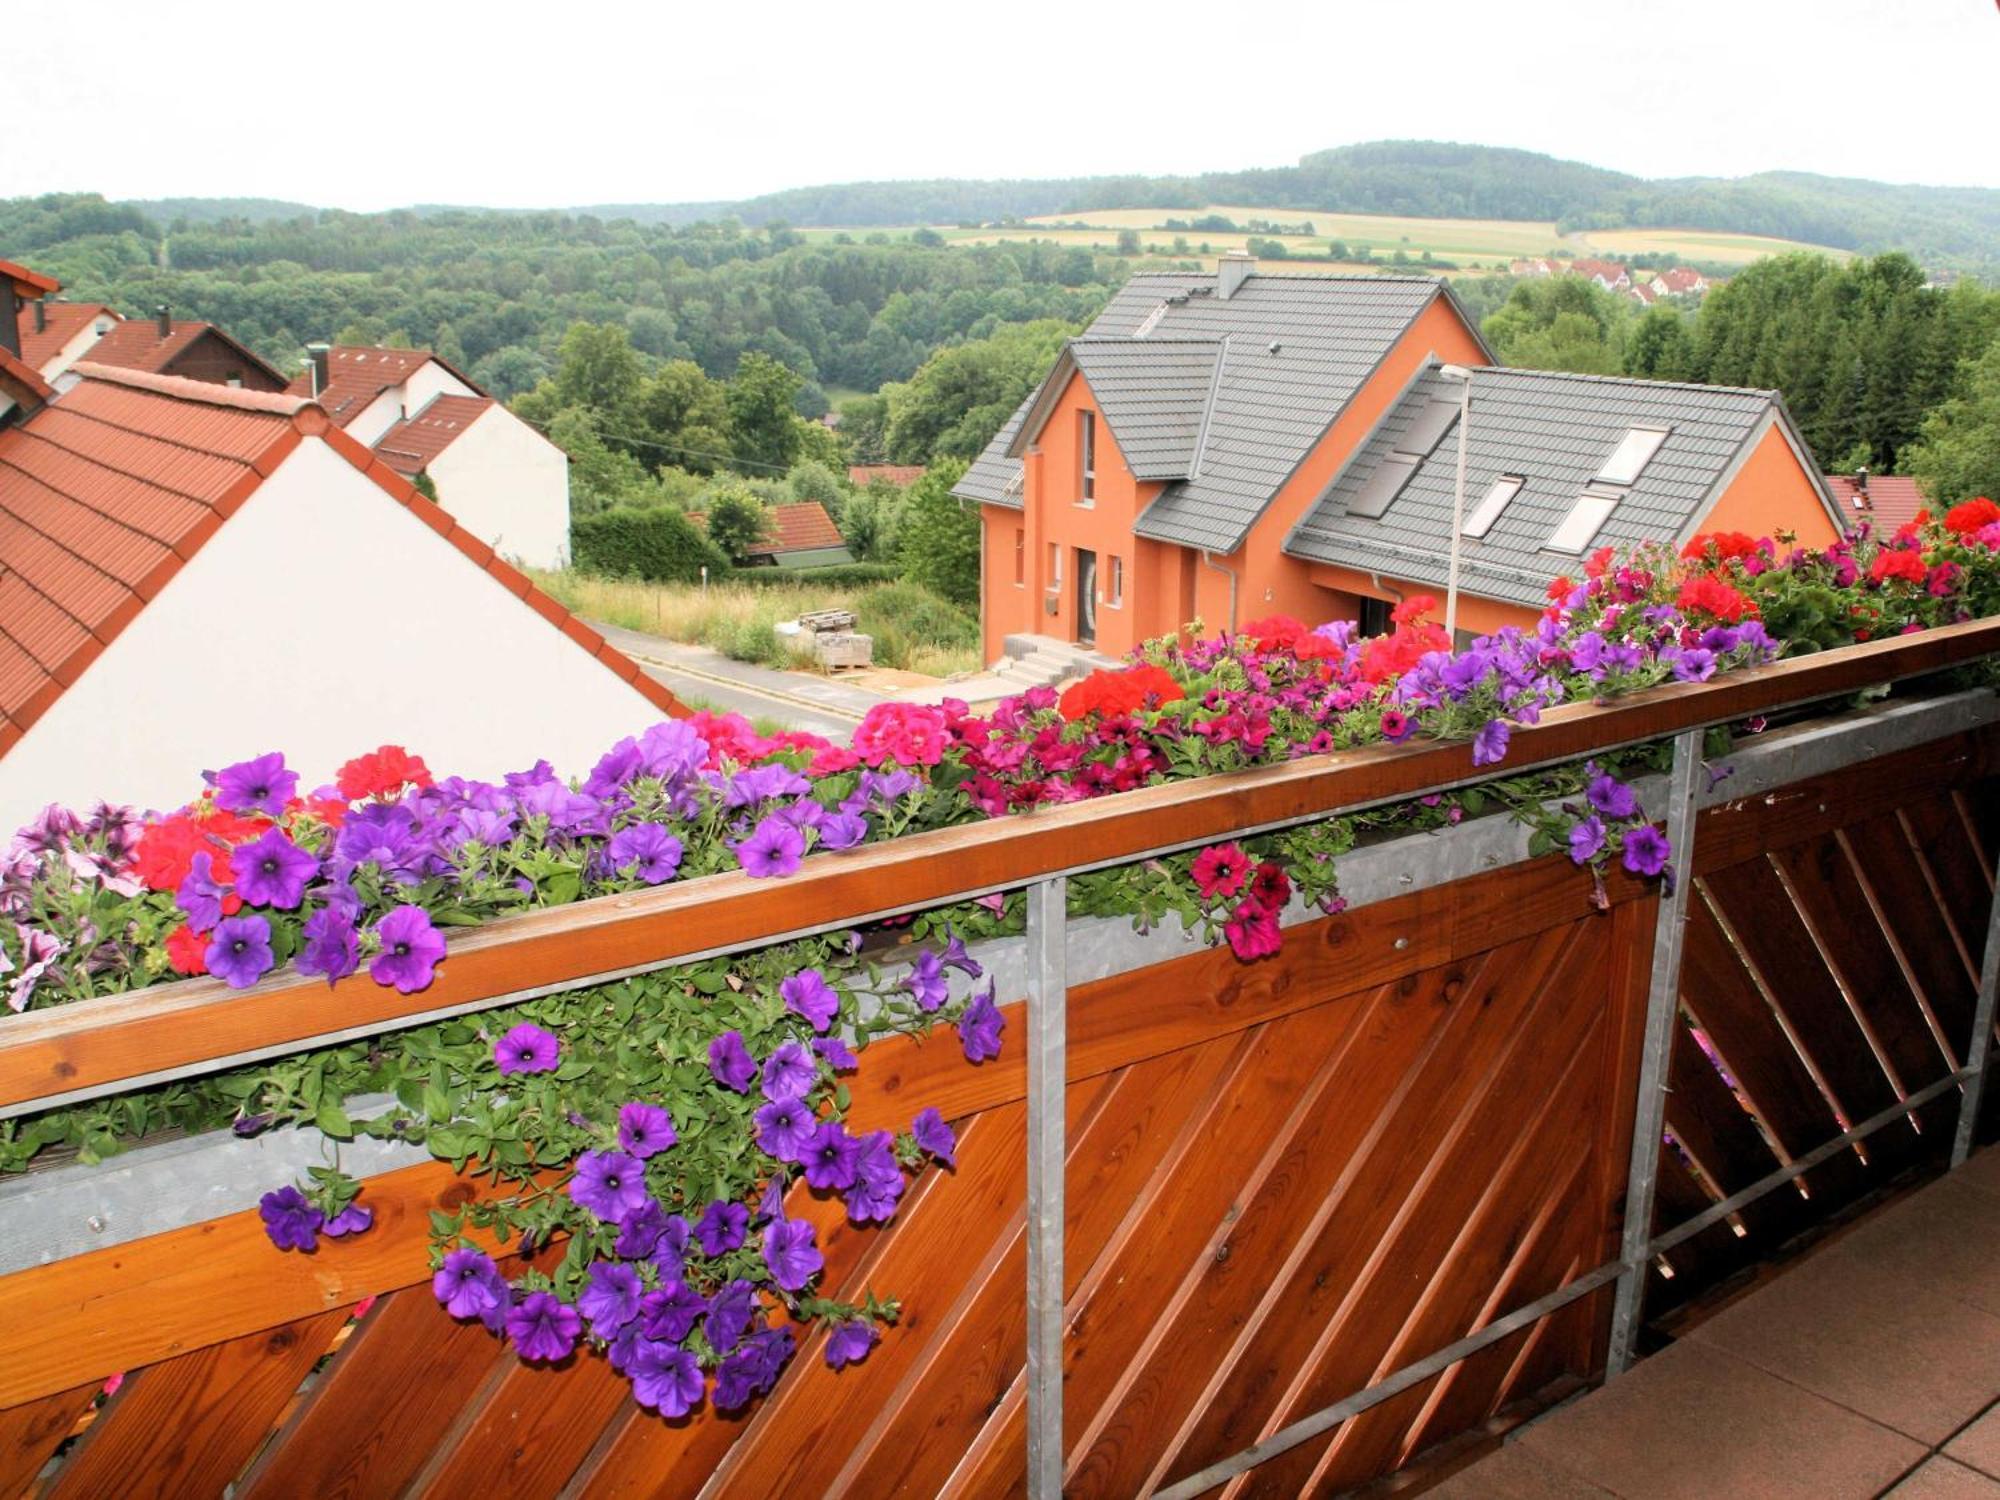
(1231, 271)
(318, 354)
(41, 315)
(166, 321)
(1862, 498)
(10, 318)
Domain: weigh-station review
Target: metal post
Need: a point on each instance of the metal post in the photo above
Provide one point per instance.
(1979, 1051)
(1048, 994)
(1663, 1002)
(1458, 508)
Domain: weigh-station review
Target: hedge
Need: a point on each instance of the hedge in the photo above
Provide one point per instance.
(655, 543)
(830, 575)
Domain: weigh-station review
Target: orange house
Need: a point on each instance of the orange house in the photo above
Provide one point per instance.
(1224, 447)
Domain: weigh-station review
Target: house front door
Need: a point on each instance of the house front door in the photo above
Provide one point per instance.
(1086, 597)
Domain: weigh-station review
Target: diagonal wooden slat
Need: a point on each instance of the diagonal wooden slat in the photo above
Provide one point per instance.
(1718, 1135)
(189, 1426)
(30, 1433)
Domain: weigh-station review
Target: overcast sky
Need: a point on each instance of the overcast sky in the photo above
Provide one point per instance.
(511, 104)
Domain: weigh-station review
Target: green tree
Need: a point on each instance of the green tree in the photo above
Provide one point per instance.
(871, 521)
(1128, 242)
(763, 427)
(939, 542)
(816, 482)
(736, 519)
(598, 369)
(1561, 323)
(687, 415)
(600, 476)
(1956, 454)
(1659, 348)
(864, 422)
(963, 395)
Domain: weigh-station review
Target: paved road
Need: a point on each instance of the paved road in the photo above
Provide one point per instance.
(712, 679)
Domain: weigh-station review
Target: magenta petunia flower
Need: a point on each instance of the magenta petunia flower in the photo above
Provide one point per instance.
(665, 1379)
(721, 1227)
(789, 1072)
(527, 1049)
(772, 851)
(808, 995)
(290, 1219)
(979, 1028)
(468, 1284)
(273, 871)
(850, 1342)
(411, 948)
(239, 951)
(259, 785)
(791, 1254)
(645, 1130)
(731, 1063)
(931, 1134)
(609, 1183)
(543, 1328)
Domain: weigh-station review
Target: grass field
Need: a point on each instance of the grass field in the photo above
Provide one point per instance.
(1488, 244)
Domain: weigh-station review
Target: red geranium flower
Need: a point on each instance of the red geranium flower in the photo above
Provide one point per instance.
(382, 773)
(1413, 609)
(1962, 520)
(187, 950)
(1727, 544)
(1891, 563)
(1559, 589)
(1706, 594)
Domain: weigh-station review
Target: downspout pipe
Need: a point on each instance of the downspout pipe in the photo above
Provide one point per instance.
(1208, 560)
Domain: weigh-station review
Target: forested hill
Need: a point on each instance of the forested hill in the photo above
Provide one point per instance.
(1957, 227)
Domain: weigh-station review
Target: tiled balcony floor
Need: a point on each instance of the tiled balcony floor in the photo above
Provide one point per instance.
(1871, 1367)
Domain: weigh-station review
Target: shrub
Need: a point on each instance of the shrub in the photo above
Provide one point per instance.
(657, 544)
(829, 575)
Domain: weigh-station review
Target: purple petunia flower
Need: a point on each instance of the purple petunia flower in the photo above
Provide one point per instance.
(665, 1379)
(830, 1157)
(1694, 665)
(807, 994)
(728, 1317)
(239, 951)
(609, 1183)
(979, 1028)
(290, 1219)
(645, 1130)
(671, 1312)
(543, 1327)
(926, 981)
(731, 1063)
(772, 851)
(1612, 797)
(654, 852)
(791, 1254)
(381, 833)
(753, 1369)
(955, 957)
(784, 1128)
(199, 896)
(1586, 839)
(721, 1227)
(843, 830)
(353, 1219)
(411, 948)
(260, 785)
(468, 1284)
(789, 1072)
(1646, 850)
(673, 750)
(839, 1056)
(1489, 746)
(878, 1180)
(933, 1135)
(332, 946)
(273, 871)
(640, 1230)
(526, 1049)
(610, 1297)
(850, 1342)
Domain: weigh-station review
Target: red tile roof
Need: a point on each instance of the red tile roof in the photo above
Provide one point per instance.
(1610, 270)
(107, 491)
(135, 344)
(61, 322)
(357, 373)
(1680, 279)
(1893, 500)
(800, 528)
(412, 443)
(28, 284)
(896, 474)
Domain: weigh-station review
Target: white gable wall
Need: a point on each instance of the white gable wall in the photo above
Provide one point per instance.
(376, 418)
(323, 619)
(509, 486)
(78, 346)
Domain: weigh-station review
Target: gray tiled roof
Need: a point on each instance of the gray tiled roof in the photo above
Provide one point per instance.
(993, 477)
(1270, 406)
(1555, 431)
(1153, 393)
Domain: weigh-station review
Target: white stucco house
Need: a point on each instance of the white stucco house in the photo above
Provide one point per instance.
(505, 482)
(191, 574)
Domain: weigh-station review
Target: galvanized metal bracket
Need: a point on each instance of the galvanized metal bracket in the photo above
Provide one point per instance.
(1048, 1068)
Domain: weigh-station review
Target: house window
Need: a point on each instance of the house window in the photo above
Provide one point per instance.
(1055, 564)
(1634, 451)
(1087, 446)
(1585, 519)
(1374, 617)
(1487, 511)
(1020, 557)
(1114, 582)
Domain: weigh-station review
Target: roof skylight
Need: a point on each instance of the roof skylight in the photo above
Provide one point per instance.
(1634, 451)
(1487, 511)
(1585, 519)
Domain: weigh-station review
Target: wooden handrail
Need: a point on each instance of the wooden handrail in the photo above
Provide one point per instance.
(96, 1046)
